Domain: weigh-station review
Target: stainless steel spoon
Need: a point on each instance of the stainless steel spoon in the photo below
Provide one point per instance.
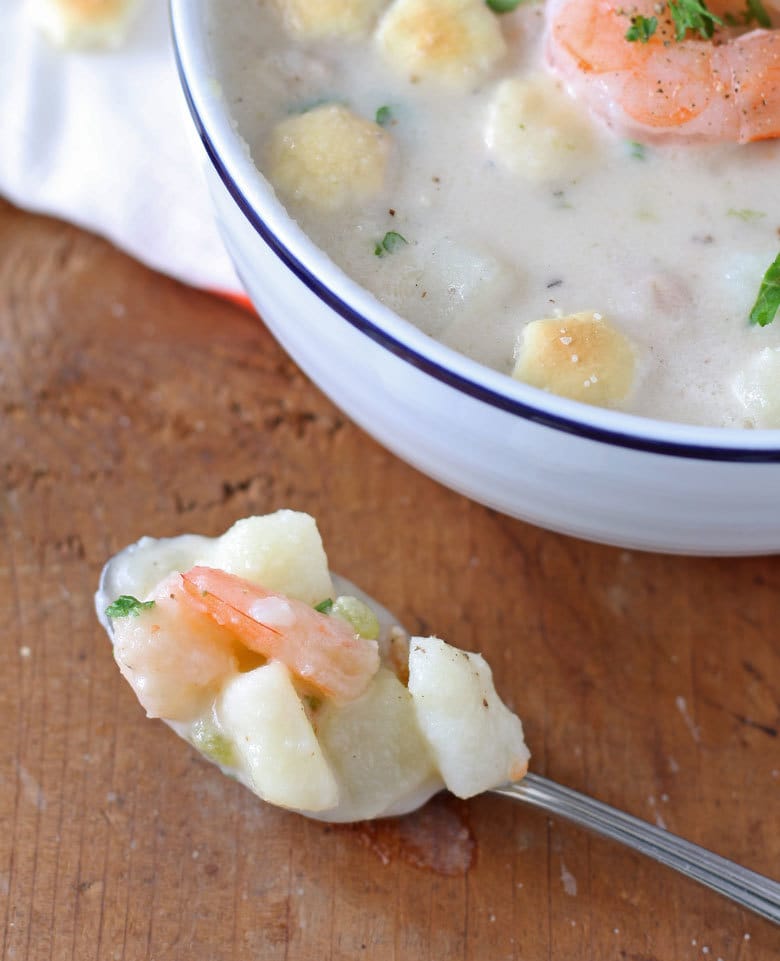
(749, 889)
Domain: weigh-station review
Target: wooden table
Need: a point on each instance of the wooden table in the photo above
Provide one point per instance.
(132, 405)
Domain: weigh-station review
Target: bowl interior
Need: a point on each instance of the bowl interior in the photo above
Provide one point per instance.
(256, 198)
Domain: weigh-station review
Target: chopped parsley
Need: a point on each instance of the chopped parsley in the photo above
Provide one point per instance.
(693, 15)
(324, 607)
(390, 243)
(503, 6)
(755, 12)
(384, 115)
(689, 15)
(746, 214)
(637, 150)
(768, 301)
(641, 29)
(127, 605)
(308, 105)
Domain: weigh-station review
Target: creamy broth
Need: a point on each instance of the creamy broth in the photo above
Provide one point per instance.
(668, 241)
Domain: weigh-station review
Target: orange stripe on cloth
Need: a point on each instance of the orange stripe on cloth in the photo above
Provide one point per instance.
(241, 300)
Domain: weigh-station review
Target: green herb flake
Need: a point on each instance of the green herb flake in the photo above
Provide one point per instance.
(308, 105)
(390, 243)
(384, 116)
(768, 301)
(755, 12)
(695, 16)
(324, 607)
(641, 29)
(746, 214)
(503, 6)
(127, 605)
(637, 150)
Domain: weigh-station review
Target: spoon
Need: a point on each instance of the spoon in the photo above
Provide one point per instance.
(747, 888)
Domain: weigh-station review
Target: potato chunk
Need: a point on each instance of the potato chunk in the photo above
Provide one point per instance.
(281, 755)
(312, 19)
(455, 42)
(376, 750)
(535, 131)
(328, 157)
(757, 387)
(580, 356)
(476, 740)
(283, 552)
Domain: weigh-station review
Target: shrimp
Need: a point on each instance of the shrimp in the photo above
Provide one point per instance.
(726, 89)
(173, 658)
(206, 626)
(322, 651)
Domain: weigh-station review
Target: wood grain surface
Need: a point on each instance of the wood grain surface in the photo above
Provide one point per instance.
(132, 405)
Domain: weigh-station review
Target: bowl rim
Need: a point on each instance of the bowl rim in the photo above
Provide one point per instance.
(229, 156)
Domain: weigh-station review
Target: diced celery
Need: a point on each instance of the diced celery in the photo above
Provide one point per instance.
(358, 614)
(212, 743)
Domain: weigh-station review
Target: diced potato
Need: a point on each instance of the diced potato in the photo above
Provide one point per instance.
(455, 42)
(175, 662)
(534, 130)
(376, 750)
(580, 356)
(285, 765)
(757, 387)
(84, 23)
(311, 19)
(282, 552)
(436, 284)
(328, 157)
(476, 740)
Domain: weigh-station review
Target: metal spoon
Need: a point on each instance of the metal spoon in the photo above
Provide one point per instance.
(747, 888)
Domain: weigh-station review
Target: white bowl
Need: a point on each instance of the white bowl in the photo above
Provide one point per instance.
(593, 473)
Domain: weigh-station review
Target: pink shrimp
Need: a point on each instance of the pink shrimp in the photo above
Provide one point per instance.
(322, 651)
(725, 89)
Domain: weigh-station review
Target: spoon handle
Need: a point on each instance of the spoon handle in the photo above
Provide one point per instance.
(753, 891)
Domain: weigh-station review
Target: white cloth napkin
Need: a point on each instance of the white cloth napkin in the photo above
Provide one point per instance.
(103, 139)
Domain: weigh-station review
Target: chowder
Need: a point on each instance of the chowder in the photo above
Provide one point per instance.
(580, 194)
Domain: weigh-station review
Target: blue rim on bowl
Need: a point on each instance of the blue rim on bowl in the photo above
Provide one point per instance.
(609, 427)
